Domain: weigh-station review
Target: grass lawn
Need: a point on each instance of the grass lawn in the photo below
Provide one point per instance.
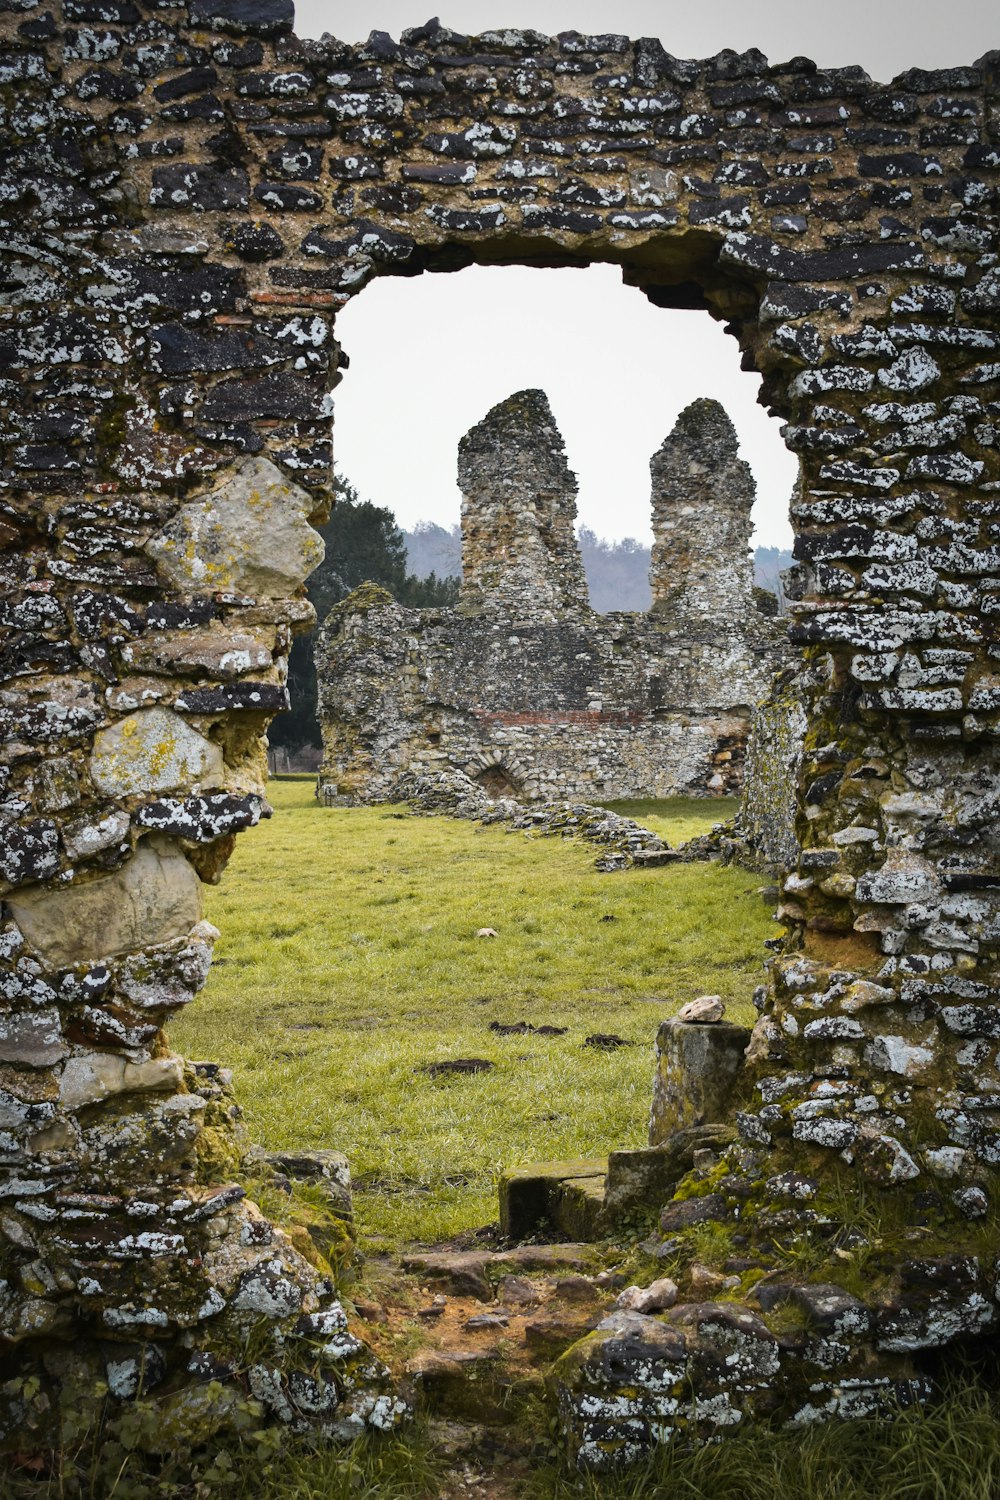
(349, 963)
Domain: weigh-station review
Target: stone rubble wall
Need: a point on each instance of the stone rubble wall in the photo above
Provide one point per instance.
(624, 842)
(189, 194)
(523, 685)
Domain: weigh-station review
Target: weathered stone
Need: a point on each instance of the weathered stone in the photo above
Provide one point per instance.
(534, 1195)
(705, 1011)
(87, 836)
(32, 1037)
(153, 898)
(153, 751)
(93, 1076)
(523, 688)
(656, 1297)
(251, 535)
(697, 1068)
(646, 1176)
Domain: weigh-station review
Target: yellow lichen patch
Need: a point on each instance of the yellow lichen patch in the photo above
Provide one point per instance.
(153, 750)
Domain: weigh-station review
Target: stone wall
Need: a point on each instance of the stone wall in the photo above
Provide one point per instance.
(189, 195)
(523, 686)
(766, 819)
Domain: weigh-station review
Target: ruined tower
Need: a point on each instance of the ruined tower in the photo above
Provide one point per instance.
(518, 511)
(701, 570)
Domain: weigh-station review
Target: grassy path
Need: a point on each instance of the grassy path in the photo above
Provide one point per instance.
(348, 964)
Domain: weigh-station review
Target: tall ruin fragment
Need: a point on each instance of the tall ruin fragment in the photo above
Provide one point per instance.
(526, 689)
(190, 194)
(701, 569)
(519, 548)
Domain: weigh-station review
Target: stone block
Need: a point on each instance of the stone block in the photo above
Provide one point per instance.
(153, 750)
(578, 1208)
(250, 536)
(646, 1176)
(154, 898)
(32, 1037)
(696, 1070)
(329, 1170)
(93, 1076)
(530, 1195)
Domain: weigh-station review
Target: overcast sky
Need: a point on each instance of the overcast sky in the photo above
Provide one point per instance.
(431, 354)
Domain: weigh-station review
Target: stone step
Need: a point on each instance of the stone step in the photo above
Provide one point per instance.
(586, 1198)
(475, 1273)
(567, 1196)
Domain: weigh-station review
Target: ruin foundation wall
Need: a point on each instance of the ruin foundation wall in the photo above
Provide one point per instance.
(598, 707)
(189, 196)
(526, 688)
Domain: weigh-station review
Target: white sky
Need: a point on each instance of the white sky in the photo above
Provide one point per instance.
(431, 354)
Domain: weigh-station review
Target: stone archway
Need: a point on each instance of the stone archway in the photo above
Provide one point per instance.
(205, 194)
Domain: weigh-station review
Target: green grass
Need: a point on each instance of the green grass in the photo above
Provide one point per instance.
(946, 1452)
(348, 962)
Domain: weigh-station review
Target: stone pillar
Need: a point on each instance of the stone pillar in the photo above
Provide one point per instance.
(768, 805)
(518, 511)
(697, 1067)
(701, 570)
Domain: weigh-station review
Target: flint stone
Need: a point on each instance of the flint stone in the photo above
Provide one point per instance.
(152, 899)
(696, 1069)
(32, 1037)
(250, 536)
(169, 977)
(656, 1297)
(28, 851)
(89, 836)
(153, 750)
(904, 878)
(268, 1290)
(202, 819)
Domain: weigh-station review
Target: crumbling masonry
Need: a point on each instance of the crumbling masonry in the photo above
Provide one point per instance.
(190, 194)
(522, 686)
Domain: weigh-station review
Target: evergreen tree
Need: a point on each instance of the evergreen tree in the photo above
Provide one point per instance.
(363, 545)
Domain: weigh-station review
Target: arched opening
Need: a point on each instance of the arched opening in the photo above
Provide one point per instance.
(497, 782)
(200, 274)
(392, 1183)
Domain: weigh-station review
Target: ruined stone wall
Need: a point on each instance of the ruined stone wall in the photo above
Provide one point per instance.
(701, 568)
(189, 194)
(523, 686)
(767, 815)
(518, 508)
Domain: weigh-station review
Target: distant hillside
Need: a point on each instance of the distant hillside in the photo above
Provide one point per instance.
(434, 549)
(617, 572)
